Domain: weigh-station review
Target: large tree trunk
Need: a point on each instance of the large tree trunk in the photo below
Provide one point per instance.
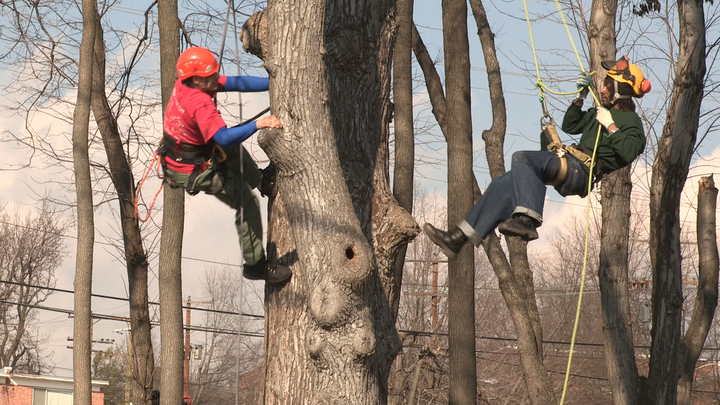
(461, 271)
(707, 289)
(170, 274)
(135, 258)
(615, 234)
(82, 332)
(403, 180)
(334, 219)
(669, 174)
(614, 294)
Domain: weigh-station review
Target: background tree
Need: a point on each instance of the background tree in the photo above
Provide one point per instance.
(461, 300)
(404, 163)
(30, 254)
(134, 253)
(110, 103)
(670, 170)
(170, 275)
(112, 365)
(516, 281)
(82, 334)
(706, 297)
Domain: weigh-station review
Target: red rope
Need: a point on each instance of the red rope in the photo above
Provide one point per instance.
(137, 192)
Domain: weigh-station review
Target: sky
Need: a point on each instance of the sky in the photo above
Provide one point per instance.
(210, 239)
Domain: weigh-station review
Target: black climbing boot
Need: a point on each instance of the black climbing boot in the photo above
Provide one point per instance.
(262, 271)
(451, 242)
(267, 184)
(520, 225)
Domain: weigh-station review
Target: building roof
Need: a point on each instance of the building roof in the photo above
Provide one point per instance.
(7, 377)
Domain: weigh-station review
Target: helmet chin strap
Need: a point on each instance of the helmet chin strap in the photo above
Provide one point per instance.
(617, 96)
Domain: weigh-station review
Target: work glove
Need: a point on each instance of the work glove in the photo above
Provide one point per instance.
(584, 82)
(604, 117)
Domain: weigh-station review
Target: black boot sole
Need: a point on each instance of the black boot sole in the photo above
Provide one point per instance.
(508, 229)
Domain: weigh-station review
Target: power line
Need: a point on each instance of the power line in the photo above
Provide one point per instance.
(71, 312)
(217, 311)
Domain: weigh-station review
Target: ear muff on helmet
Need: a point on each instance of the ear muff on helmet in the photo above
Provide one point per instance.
(625, 72)
(196, 61)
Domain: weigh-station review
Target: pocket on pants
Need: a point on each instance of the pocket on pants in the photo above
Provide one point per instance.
(576, 182)
(210, 181)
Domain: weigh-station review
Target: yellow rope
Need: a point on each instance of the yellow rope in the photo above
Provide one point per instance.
(542, 87)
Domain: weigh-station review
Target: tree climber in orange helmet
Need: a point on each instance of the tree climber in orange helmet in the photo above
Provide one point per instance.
(200, 153)
(514, 201)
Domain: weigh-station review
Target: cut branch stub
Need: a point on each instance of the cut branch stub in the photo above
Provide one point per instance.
(254, 35)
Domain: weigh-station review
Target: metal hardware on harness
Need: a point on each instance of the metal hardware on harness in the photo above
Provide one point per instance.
(554, 145)
(584, 158)
(548, 127)
(219, 154)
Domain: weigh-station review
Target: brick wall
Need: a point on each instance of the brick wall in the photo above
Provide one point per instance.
(19, 395)
(98, 398)
(14, 395)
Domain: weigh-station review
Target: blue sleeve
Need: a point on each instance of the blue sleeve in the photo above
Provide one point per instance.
(246, 83)
(232, 136)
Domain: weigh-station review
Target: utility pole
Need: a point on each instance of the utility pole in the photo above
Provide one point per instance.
(434, 306)
(188, 352)
(186, 369)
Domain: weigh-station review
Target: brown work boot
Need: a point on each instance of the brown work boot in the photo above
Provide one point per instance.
(262, 271)
(520, 225)
(451, 242)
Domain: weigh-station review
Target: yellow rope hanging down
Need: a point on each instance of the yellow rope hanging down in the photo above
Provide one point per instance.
(541, 87)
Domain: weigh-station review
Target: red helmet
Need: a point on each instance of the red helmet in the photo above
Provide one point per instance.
(196, 61)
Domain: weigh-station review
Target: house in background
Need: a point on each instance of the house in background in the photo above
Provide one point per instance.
(29, 389)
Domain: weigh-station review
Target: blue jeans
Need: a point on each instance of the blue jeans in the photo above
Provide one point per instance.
(522, 190)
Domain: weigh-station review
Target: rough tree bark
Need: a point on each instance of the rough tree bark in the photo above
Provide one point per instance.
(170, 274)
(615, 233)
(675, 150)
(329, 332)
(403, 180)
(82, 330)
(135, 257)
(706, 298)
(461, 271)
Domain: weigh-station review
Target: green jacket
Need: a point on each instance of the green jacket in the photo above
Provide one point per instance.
(616, 151)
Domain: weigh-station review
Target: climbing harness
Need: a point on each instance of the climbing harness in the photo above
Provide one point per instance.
(200, 156)
(588, 159)
(550, 141)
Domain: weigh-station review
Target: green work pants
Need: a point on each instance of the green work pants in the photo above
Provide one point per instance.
(232, 181)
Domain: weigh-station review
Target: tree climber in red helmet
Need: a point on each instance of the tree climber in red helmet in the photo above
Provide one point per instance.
(200, 153)
(514, 201)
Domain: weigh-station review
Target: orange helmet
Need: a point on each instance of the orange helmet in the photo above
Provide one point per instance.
(625, 72)
(196, 61)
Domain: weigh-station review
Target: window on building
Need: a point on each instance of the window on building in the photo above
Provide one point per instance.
(47, 397)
